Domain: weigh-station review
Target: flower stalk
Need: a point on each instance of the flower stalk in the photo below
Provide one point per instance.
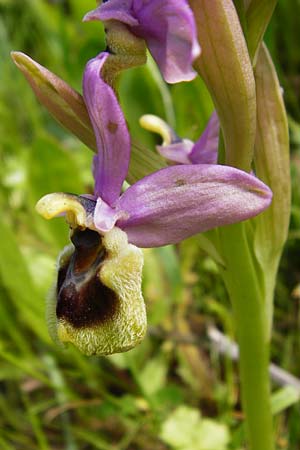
(242, 282)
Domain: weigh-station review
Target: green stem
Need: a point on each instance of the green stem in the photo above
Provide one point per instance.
(252, 330)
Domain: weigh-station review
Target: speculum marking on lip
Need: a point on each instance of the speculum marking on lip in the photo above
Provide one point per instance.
(88, 306)
(82, 299)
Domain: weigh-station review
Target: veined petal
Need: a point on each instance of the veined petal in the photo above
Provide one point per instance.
(177, 202)
(168, 28)
(112, 137)
(205, 150)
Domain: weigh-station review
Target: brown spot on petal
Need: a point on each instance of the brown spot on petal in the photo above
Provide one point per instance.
(112, 127)
(82, 299)
(180, 182)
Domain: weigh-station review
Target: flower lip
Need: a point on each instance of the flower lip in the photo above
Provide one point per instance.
(101, 309)
(82, 299)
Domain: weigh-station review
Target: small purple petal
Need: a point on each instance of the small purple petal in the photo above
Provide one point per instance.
(177, 202)
(205, 150)
(112, 137)
(168, 28)
(177, 151)
(105, 217)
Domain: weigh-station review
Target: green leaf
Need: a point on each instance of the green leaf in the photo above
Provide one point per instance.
(284, 398)
(51, 168)
(191, 121)
(186, 430)
(272, 164)
(272, 160)
(258, 16)
(17, 281)
(153, 376)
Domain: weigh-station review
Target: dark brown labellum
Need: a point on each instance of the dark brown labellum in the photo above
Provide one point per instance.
(82, 299)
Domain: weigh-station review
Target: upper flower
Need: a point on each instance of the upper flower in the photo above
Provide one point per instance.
(185, 151)
(167, 26)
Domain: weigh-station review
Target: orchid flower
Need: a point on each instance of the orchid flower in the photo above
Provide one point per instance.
(185, 151)
(97, 303)
(168, 27)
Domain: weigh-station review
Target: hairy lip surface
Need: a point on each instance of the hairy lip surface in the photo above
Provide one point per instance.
(82, 299)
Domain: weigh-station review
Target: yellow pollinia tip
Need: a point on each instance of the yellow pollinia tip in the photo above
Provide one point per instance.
(157, 125)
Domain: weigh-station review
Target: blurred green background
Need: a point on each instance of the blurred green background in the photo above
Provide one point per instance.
(174, 391)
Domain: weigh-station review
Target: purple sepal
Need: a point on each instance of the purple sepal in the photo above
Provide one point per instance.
(112, 137)
(177, 202)
(168, 28)
(205, 150)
